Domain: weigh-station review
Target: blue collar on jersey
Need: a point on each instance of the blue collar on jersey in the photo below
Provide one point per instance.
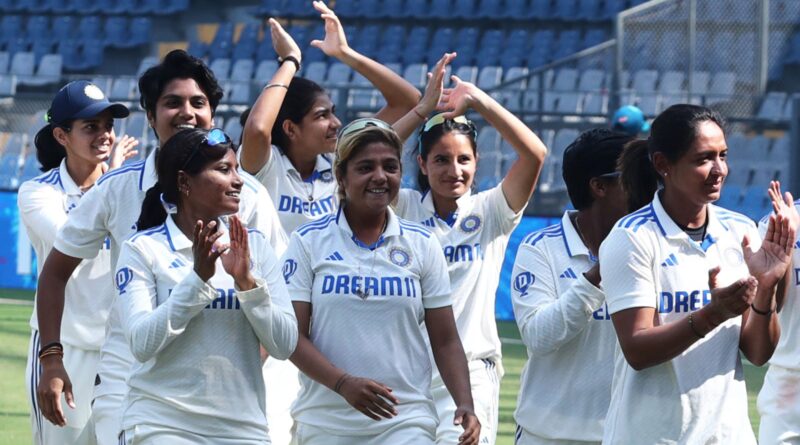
(450, 220)
(392, 229)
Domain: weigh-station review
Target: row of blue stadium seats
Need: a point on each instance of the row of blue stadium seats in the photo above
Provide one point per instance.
(22, 69)
(776, 106)
(566, 10)
(117, 32)
(418, 44)
(105, 7)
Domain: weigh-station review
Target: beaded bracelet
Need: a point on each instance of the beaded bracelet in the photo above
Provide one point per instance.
(694, 329)
(764, 313)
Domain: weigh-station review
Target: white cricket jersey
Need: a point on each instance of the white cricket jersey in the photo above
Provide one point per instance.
(698, 396)
(299, 200)
(44, 203)
(787, 353)
(379, 336)
(565, 385)
(474, 242)
(196, 342)
(110, 210)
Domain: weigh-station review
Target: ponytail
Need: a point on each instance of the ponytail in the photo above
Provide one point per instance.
(153, 213)
(49, 152)
(638, 176)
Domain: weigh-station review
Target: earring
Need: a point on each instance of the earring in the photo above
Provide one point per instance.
(185, 191)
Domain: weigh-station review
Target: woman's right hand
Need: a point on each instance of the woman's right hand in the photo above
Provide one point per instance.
(282, 42)
(205, 249)
(373, 399)
(433, 91)
(732, 300)
(53, 381)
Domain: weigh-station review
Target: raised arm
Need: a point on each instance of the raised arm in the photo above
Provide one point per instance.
(257, 132)
(521, 179)
(400, 95)
(406, 125)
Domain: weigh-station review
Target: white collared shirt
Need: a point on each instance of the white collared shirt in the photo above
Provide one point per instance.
(44, 204)
(299, 201)
(196, 343)
(563, 321)
(110, 210)
(787, 353)
(474, 243)
(368, 307)
(698, 396)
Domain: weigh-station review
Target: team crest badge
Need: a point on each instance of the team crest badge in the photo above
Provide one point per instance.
(92, 92)
(733, 256)
(327, 176)
(470, 224)
(399, 257)
(522, 282)
(289, 268)
(122, 278)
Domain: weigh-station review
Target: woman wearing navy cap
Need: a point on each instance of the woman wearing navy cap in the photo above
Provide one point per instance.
(74, 149)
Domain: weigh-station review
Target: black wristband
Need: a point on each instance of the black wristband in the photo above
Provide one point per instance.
(292, 59)
(51, 345)
(764, 313)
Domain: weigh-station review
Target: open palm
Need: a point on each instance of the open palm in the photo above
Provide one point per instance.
(458, 99)
(769, 263)
(236, 260)
(335, 42)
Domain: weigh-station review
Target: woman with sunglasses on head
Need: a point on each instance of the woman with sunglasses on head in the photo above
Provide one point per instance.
(290, 135)
(473, 228)
(690, 288)
(198, 293)
(179, 93)
(369, 280)
(74, 149)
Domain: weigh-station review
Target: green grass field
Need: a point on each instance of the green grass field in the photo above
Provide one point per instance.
(15, 334)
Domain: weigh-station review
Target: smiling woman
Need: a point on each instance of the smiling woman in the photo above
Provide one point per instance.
(75, 148)
(188, 320)
(355, 354)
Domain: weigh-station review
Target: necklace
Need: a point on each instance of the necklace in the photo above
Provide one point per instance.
(360, 288)
(583, 240)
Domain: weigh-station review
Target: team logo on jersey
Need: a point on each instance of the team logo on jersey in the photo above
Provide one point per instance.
(289, 268)
(326, 176)
(122, 278)
(569, 273)
(335, 256)
(522, 282)
(733, 257)
(399, 257)
(671, 260)
(470, 224)
(92, 92)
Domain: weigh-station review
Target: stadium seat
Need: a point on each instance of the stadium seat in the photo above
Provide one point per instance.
(671, 82)
(10, 27)
(595, 103)
(4, 62)
(591, 80)
(246, 46)
(239, 93)
(540, 9)
(90, 27)
(467, 73)
(565, 10)
(362, 99)
(490, 77)
(514, 73)
(463, 9)
(221, 68)
(38, 27)
(316, 71)
(123, 89)
(338, 74)
(266, 69)
(563, 138)
(416, 9)
(116, 32)
(146, 63)
(644, 81)
(242, 70)
(48, 71)
(772, 106)
(8, 85)
(513, 10)
(440, 9)
(233, 129)
(70, 54)
(568, 103)
(565, 80)
(22, 64)
(488, 9)
(136, 125)
(416, 74)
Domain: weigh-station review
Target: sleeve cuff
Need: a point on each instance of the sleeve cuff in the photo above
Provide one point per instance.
(206, 292)
(436, 302)
(259, 293)
(591, 295)
(83, 252)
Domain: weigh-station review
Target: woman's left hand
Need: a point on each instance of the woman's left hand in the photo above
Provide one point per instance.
(456, 100)
(783, 204)
(335, 43)
(472, 427)
(769, 263)
(236, 260)
(123, 150)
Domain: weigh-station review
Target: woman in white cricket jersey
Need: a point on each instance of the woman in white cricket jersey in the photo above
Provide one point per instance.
(688, 287)
(74, 149)
(778, 401)
(473, 228)
(290, 135)
(179, 93)
(560, 308)
(362, 282)
(196, 306)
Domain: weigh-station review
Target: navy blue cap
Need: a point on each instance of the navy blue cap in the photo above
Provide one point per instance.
(630, 119)
(82, 99)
